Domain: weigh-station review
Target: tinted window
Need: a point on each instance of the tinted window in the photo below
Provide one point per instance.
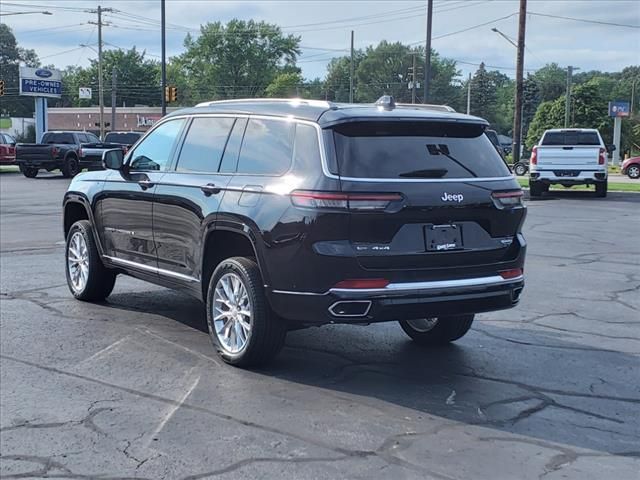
(58, 138)
(416, 150)
(91, 138)
(154, 153)
(9, 138)
(230, 157)
(267, 147)
(571, 138)
(307, 149)
(127, 138)
(82, 138)
(204, 144)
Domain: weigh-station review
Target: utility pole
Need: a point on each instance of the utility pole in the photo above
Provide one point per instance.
(567, 103)
(517, 116)
(114, 77)
(100, 11)
(413, 78)
(469, 95)
(427, 53)
(351, 71)
(163, 80)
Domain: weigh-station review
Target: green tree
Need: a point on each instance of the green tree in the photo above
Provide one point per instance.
(483, 94)
(285, 85)
(337, 80)
(239, 59)
(11, 55)
(551, 81)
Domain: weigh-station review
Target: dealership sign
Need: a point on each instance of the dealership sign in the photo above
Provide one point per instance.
(146, 121)
(619, 109)
(40, 82)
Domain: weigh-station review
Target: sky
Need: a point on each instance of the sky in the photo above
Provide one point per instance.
(325, 26)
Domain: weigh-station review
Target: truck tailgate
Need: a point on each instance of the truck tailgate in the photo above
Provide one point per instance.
(568, 156)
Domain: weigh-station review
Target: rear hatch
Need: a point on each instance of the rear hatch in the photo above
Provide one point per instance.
(457, 205)
(569, 150)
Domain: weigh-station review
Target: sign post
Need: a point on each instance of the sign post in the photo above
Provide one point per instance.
(41, 83)
(617, 110)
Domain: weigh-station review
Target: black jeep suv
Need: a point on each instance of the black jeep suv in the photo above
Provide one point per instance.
(280, 214)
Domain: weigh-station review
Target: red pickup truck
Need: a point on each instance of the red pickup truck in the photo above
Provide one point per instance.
(7, 149)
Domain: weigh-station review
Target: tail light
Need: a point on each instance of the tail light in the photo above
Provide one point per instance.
(362, 283)
(511, 198)
(54, 151)
(344, 201)
(513, 273)
(80, 152)
(602, 159)
(534, 156)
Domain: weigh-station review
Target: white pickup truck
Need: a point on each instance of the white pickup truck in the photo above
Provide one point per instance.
(575, 156)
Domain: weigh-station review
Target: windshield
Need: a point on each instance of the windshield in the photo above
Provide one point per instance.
(416, 150)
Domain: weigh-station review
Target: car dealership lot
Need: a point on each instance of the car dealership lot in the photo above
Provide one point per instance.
(133, 388)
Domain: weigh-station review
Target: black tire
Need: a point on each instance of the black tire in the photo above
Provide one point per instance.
(633, 171)
(601, 189)
(71, 167)
(446, 330)
(535, 188)
(267, 333)
(29, 172)
(99, 279)
(520, 169)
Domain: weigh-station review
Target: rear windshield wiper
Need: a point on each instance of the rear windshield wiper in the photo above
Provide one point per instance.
(444, 150)
(427, 173)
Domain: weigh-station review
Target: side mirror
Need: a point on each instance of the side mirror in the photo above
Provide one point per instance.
(113, 159)
(611, 148)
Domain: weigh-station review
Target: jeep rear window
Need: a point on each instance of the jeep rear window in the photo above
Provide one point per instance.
(416, 150)
(571, 138)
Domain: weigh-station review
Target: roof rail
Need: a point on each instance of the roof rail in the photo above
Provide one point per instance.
(426, 106)
(291, 101)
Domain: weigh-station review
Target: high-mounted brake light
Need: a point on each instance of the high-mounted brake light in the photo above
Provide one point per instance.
(534, 156)
(360, 283)
(602, 159)
(343, 201)
(513, 273)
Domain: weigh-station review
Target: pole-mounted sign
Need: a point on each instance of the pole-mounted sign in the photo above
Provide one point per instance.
(617, 110)
(84, 93)
(40, 82)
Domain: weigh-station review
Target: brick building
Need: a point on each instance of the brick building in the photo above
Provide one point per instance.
(138, 119)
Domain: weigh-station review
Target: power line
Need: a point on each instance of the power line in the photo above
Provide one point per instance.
(585, 20)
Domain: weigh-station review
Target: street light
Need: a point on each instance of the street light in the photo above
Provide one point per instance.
(24, 13)
(507, 38)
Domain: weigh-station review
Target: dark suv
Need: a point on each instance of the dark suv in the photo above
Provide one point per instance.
(281, 214)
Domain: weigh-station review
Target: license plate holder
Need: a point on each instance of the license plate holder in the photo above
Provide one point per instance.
(443, 238)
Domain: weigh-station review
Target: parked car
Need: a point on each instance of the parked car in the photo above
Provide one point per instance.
(68, 151)
(7, 149)
(123, 138)
(569, 157)
(631, 167)
(506, 143)
(282, 214)
(493, 136)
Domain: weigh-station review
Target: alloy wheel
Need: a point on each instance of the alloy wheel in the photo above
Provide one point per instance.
(423, 324)
(232, 313)
(78, 262)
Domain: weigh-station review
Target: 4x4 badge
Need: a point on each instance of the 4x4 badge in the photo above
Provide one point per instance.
(449, 197)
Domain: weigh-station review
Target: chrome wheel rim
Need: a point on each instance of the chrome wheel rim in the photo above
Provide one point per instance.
(78, 262)
(634, 172)
(423, 324)
(232, 313)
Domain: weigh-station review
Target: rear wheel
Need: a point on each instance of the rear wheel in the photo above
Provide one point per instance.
(601, 189)
(437, 330)
(241, 325)
(29, 172)
(535, 188)
(633, 171)
(71, 167)
(520, 169)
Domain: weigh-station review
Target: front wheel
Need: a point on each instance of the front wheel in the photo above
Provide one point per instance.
(87, 278)
(633, 172)
(29, 172)
(437, 330)
(601, 189)
(520, 169)
(241, 325)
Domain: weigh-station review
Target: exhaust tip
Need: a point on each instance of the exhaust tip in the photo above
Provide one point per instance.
(354, 308)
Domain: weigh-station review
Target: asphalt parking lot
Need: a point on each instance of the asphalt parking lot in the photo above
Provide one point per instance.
(131, 388)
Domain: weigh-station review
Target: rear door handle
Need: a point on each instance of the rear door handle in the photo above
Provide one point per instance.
(146, 184)
(210, 189)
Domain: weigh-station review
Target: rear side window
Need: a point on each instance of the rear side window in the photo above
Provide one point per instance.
(204, 144)
(307, 148)
(571, 138)
(416, 150)
(66, 138)
(267, 147)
